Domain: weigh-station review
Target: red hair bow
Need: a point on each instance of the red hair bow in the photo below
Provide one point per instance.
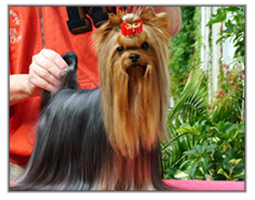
(128, 29)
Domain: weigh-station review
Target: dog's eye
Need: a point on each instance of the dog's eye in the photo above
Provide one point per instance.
(120, 50)
(145, 46)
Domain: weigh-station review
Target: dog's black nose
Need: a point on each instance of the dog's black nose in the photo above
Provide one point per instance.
(134, 57)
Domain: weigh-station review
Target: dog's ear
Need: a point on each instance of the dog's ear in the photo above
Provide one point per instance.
(115, 20)
(147, 13)
(160, 20)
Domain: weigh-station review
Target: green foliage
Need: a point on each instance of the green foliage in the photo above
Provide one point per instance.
(235, 27)
(192, 101)
(201, 147)
(228, 105)
(207, 141)
(185, 49)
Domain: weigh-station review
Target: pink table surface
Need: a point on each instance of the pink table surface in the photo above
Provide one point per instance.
(195, 185)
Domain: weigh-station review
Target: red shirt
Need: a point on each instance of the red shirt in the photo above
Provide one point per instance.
(30, 29)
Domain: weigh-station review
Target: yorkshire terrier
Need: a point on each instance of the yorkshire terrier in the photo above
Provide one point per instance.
(107, 138)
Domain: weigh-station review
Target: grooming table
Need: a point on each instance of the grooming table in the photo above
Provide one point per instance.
(195, 185)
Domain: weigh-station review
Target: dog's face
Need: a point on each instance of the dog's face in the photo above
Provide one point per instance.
(136, 51)
(134, 78)
(134, 54)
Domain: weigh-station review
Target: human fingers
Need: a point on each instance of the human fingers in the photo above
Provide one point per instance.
(51, 62)
(55, 57)
(45, 70)
(37, 82)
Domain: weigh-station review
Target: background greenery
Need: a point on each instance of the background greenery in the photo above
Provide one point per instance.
(207, 141)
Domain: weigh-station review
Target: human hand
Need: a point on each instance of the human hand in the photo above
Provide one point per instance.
(44, 71)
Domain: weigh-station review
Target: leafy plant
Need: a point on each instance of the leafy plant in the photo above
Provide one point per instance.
(229, 102)
(184, 49)
(191, 106)
(207, 141)
(235, 27)
(193, 99)
(201, 147)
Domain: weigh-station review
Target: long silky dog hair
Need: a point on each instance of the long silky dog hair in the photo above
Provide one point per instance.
(72, 146)
(106, 138)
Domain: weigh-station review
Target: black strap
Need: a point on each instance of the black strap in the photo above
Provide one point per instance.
(78, 18)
